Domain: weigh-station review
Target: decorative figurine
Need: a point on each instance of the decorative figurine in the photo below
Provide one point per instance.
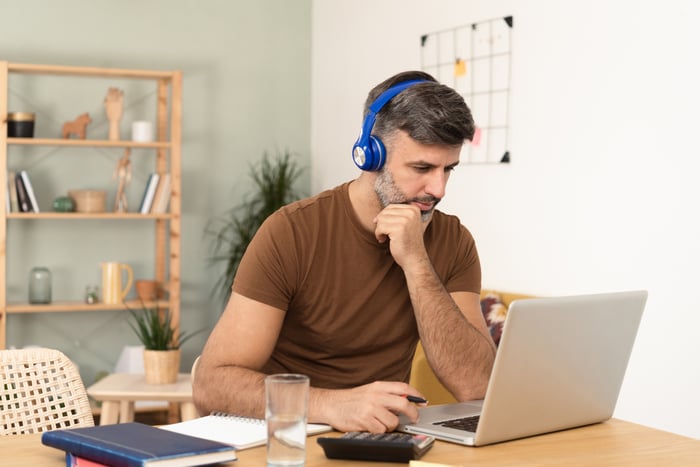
(123, 173)
(76, 127)
(114, 105)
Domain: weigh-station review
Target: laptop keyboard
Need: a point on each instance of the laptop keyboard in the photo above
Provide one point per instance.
(464, 424)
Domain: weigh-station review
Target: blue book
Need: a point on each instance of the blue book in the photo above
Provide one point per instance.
(135, 445)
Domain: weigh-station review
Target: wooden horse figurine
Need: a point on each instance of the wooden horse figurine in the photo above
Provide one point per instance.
(76, 127)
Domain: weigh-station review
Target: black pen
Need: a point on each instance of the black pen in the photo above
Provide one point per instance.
(417, 400)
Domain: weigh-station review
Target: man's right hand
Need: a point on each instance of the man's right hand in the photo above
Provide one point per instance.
(374, 407)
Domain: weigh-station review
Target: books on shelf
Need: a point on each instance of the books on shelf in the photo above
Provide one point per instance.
(240, 432)
(12, 191)
(149, 193)
(25, 205)
(162, 196)
(136, 445)
(29, 189)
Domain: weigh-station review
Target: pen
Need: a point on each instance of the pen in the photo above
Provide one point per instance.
(417, 400)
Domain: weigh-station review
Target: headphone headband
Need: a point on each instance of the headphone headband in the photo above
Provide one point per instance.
(369, 152)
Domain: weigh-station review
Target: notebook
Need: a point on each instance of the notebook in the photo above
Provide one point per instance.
(559, 365)
(137, 445)
(233, 430)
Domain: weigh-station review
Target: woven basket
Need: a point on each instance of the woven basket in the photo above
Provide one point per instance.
(89, 200)
(161, 366)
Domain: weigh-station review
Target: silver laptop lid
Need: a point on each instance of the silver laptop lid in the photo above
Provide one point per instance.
(560, 364)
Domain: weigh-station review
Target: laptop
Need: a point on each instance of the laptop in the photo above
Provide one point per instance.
(559, 365)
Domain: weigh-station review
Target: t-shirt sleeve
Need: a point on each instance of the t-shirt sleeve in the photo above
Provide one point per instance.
(464, 275)
(268, 264)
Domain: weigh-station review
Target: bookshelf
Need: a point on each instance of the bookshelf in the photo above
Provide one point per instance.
(166, 226)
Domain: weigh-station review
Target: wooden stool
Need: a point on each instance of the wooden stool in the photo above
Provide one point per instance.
(119, 391)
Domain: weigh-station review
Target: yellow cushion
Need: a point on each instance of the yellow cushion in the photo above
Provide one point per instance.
(422, 376)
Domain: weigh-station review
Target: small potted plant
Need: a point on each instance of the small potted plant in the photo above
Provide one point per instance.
(161, 354)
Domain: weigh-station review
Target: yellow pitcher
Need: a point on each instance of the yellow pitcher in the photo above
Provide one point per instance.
(112, 291)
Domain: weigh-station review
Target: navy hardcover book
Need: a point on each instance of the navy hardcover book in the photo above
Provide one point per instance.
(136, 444)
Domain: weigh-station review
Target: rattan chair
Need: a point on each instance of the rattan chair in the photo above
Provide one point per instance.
(40, 390)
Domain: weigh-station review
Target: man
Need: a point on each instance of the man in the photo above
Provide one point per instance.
(342, 285)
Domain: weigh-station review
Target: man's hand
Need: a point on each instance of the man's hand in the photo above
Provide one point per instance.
(402, 225)
(373, 407)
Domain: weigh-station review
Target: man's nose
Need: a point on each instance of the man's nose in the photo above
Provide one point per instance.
(436, 184)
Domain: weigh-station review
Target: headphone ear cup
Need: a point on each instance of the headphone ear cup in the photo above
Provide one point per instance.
(377, 155)
(368, 152)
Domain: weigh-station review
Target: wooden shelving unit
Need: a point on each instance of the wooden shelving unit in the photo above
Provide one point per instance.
(168, 131)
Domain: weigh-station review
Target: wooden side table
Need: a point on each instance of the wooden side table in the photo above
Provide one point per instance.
(119, 391)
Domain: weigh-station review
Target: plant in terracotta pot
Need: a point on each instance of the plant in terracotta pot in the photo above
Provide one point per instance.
(161, 354)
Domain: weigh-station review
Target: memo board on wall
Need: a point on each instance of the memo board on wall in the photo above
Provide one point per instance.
(475, 59)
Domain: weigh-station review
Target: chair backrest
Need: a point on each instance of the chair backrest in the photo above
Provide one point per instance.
(40, 390)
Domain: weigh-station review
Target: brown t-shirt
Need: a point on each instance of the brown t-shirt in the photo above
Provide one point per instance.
(349, 319)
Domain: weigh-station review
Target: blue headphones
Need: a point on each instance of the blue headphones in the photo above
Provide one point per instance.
(368, 152)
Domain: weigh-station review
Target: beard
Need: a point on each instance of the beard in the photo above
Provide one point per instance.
(388, 193)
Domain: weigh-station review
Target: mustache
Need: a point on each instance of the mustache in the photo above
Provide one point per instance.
(424, 199)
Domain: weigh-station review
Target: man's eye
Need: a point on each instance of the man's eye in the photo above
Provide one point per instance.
(421, 168)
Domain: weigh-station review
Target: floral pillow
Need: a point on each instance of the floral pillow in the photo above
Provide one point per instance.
(494, 311)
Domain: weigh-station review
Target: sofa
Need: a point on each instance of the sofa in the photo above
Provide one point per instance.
(494, 306)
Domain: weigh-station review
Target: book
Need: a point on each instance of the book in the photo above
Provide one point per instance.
(24, 204)
(149, 193)
(137, 445)
(29, 190)
(75, 461)
(162, 196)
(12, 188)
(240, 432)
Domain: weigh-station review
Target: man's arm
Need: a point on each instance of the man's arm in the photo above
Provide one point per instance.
(454, 335)
(228, 376)
(452, 329)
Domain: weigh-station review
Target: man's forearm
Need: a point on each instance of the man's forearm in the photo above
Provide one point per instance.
(230, 389)
(459, 354)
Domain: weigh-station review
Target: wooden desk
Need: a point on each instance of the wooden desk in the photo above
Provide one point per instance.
(612, 443)
(119, 391)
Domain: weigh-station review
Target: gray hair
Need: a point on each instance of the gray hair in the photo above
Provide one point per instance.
(430, 112)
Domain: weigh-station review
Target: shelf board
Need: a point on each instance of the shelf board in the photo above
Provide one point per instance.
(88, 71)
(81, 306)
(87, 215)
(90, 143)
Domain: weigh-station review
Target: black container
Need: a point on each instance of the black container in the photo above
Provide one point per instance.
(20, 124)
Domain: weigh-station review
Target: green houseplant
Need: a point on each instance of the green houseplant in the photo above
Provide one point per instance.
(274, 185)
(161, 354)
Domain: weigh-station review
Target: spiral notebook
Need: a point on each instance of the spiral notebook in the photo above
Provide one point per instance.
(239, 432)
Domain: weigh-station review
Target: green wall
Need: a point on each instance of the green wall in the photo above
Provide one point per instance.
(246, 68)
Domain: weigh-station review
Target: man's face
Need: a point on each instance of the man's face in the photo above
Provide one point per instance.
(415, 173)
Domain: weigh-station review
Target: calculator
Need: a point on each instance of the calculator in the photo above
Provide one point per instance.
(386, 447)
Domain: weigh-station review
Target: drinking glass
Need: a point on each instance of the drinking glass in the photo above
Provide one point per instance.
(286, 405)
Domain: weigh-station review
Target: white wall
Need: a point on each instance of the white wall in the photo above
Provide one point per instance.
(602, 192)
